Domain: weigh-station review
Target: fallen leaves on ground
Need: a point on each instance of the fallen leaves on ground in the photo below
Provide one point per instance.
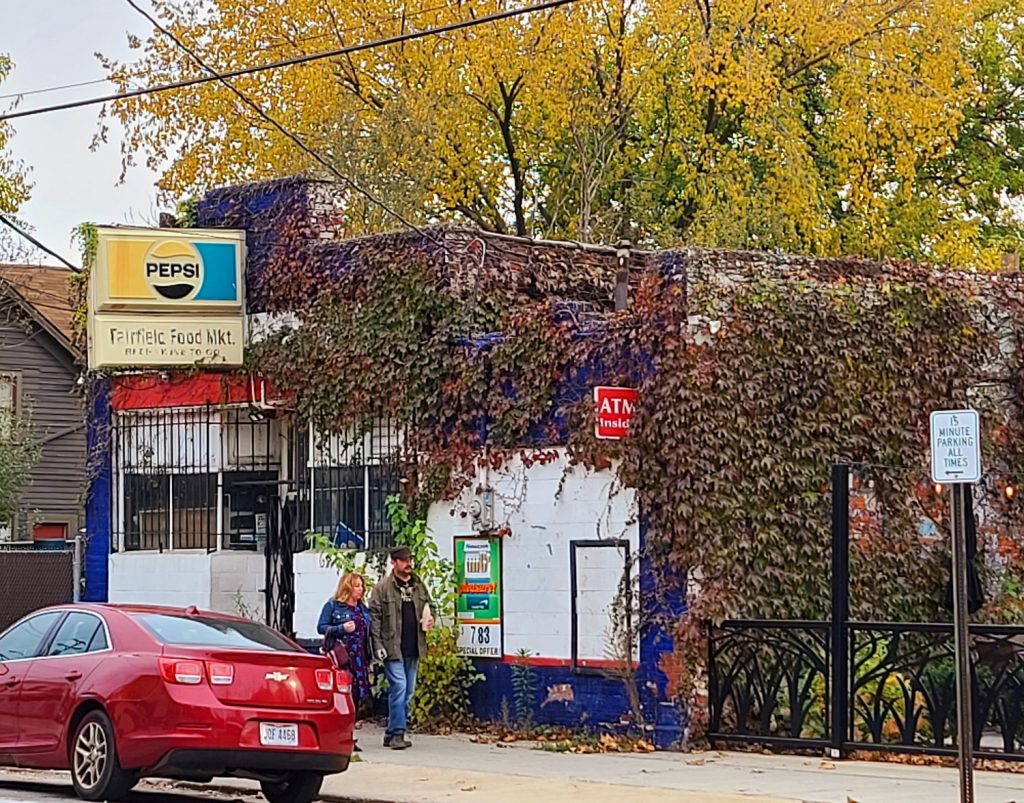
(605, 743)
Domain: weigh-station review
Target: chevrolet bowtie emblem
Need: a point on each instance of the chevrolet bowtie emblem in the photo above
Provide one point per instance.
(278, 676)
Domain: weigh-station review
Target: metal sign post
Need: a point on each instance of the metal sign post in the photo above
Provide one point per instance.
(956, 459)
(962, 645)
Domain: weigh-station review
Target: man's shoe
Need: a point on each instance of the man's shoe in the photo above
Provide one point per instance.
(387, 740)
(399, 742)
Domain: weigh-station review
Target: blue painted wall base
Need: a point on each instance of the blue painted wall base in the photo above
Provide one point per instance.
(576, 701)
(97, 503)
(561, 697)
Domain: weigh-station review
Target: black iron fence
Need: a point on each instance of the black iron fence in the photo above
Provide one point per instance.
(770, 682)
(843, 685)
(344, 481)
(193, 478)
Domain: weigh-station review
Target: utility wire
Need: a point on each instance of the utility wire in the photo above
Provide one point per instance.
(266, 49)
(19, 230)
(280, 127)
(326, 54)
(46, 89)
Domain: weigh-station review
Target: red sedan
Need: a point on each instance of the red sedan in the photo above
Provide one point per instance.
(116, 693)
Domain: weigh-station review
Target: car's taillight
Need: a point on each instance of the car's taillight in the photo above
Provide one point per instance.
(220, 674)
(324, 681)
(189, 673)
(344, 681)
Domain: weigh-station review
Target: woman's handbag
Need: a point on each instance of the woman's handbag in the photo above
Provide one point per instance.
(336, 651)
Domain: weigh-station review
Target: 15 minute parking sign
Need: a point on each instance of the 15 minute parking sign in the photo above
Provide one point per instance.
(956, 446)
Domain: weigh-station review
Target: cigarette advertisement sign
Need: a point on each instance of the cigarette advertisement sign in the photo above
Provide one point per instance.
(478, 605)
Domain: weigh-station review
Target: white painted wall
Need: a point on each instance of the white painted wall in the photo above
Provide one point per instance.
(315, 583)
(218, 582)
(547, 507)
(236, 580)
(179, 579)
(598, 577)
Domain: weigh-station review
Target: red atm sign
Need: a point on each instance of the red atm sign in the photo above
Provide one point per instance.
(614, 411)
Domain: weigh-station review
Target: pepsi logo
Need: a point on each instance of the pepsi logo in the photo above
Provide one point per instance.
(174, 270)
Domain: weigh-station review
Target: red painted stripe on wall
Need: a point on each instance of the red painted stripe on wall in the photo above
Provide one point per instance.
(175, 389)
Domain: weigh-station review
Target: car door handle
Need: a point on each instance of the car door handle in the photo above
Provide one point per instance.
(10, 684)
(74, 674)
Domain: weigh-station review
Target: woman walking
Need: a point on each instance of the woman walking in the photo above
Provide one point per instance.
(345, 623)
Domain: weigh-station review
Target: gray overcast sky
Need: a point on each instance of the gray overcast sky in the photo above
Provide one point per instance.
(52, 42)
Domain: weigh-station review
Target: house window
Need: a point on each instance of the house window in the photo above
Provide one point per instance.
(348, 480)
(170, 511)
(10, 400)
(194, 511)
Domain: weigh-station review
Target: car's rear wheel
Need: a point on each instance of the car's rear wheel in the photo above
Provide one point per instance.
(95, 770)
(297, 787)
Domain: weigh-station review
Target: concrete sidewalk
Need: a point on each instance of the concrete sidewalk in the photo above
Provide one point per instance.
(442, 769)
(445, 768)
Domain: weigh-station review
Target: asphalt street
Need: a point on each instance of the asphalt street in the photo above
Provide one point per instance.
(19, 787)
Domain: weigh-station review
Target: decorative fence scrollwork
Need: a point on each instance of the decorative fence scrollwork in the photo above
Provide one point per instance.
(769, 683)
(770, 680)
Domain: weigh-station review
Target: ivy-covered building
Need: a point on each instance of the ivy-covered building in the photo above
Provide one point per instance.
(210, 477)
(456, 370)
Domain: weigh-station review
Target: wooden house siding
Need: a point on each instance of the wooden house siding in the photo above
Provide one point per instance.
(47, 374)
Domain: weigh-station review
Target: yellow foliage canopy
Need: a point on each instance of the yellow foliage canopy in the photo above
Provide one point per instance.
(811, 125)
(13, 186)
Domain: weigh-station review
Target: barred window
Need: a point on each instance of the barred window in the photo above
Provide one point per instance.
(197, 478)
(346, 483)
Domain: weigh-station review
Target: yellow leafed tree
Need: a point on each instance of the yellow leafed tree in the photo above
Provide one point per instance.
(13, 186)
(884, 127)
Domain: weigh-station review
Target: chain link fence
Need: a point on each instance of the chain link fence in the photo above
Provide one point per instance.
(32, 578)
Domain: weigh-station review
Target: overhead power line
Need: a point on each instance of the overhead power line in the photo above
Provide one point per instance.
(316, 155)
(19, 230)
(306, 59)
(293, 42)
(57, 88)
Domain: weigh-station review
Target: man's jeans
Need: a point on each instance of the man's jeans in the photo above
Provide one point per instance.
(401, 685)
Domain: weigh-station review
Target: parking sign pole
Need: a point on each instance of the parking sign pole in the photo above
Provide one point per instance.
(956, 461)
(961, 644)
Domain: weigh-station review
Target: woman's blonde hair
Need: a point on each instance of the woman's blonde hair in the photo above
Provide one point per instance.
(346, 584)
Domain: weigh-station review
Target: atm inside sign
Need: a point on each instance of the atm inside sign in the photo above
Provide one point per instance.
(614, 411)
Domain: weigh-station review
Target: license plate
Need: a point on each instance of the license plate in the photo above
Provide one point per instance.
(279, 735)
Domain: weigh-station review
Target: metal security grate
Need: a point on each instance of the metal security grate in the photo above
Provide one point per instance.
(194, 478)
(344, 481)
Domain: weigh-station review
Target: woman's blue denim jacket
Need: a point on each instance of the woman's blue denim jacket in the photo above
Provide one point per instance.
(335, 614)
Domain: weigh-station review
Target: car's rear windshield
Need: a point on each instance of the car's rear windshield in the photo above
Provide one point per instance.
(208, 631)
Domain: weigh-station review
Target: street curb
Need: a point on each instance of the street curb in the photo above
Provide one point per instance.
(20, 774)
(230, 789)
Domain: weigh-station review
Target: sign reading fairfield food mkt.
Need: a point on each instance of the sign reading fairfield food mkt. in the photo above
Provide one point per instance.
(162, 297)
(614, 410)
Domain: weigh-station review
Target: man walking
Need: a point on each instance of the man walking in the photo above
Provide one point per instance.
(400, 619)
